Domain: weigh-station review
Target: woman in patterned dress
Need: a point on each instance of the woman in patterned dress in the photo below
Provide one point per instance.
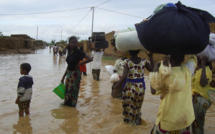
(134, 87)
(72, 73)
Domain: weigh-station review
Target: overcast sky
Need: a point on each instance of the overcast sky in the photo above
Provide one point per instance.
(73, 17)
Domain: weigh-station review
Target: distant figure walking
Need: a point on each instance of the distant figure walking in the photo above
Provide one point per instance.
(97, 62)
(55, 50)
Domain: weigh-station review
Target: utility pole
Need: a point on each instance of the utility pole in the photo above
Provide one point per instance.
(37, 32)
(61, 34)
(92, 8)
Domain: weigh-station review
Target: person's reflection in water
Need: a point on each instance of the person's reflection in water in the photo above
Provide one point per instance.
(70, 117)
(61, 60)
(95, 88)
(23, 126)
(54, 59)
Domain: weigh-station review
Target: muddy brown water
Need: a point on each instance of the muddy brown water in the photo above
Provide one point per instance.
(96, 112)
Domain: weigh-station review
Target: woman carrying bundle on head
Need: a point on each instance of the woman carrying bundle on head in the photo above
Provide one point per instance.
(134, 87)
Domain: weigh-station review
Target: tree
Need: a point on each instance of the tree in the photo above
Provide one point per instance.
(52, 43)
(63, 42)
(1, 34)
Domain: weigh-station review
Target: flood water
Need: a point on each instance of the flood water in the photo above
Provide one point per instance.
(96, 112)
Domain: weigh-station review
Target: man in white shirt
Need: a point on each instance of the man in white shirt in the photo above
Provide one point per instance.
(96, 64)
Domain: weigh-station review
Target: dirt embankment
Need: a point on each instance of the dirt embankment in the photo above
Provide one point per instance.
(19, 44)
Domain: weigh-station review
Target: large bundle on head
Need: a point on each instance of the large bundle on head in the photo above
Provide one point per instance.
(127, 40)
(98, 40)
(175, 29)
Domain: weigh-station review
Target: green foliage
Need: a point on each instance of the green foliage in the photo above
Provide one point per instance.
(52, 43)
(1, 34)
(62, 42)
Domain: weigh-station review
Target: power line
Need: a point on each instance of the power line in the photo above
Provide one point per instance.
(82, 19)
(104, 2)
(45, 12)
(122, 13)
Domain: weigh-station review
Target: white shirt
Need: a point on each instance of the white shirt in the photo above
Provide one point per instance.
(97, 59)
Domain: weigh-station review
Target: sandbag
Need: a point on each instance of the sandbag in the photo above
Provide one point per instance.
(175, 30)
(126, 41)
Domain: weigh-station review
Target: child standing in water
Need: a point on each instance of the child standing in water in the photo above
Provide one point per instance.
(201, 85)
(134, 87)
(24, 90)
(173, 84)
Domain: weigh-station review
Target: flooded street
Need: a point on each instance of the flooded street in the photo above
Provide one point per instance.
(96, 112)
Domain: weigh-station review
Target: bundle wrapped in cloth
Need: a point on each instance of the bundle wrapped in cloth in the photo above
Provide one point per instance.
(127, 40)
(175, 29)
(209, 51)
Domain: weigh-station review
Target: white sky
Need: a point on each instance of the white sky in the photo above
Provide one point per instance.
(78, 22)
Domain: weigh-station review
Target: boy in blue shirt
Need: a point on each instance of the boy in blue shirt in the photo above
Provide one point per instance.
(24, 90)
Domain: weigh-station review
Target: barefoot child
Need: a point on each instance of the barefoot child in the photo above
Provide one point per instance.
(24, 90)
(134, 87)
(173, 84)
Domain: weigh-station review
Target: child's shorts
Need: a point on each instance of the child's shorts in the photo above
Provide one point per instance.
(24, 105)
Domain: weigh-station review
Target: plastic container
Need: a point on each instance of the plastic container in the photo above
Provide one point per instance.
(60, 90)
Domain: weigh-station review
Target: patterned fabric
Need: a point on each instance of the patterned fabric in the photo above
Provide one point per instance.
(201, 106)
(133, 93)
(24, 89)
(157, 130)
(24, 105)
(72, 87)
